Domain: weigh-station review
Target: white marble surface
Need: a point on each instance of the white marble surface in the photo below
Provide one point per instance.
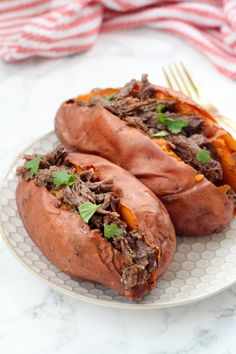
(35, 319)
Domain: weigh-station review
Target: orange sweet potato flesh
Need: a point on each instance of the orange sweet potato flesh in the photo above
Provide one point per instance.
(83, 253)
(95, 130)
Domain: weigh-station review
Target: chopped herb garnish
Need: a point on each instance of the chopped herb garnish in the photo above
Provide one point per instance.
(175, 126)
(112, 230)
(160, 107)
(87, 210)
(203, 156)
(160, 134)
(33, 165)
(162, 118)
(111, 97)
(63, 178)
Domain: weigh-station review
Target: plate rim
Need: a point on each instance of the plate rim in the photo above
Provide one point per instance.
(91, 300)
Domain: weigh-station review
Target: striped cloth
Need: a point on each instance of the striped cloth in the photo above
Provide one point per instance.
(53, 28)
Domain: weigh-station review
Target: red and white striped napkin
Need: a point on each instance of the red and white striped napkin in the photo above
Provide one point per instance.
(53, 28)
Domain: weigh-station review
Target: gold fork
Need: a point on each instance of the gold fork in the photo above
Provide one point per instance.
(178, 78)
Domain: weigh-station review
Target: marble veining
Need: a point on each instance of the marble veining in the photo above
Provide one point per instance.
(35, 319)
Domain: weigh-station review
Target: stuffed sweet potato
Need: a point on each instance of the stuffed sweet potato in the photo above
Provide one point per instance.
(164, 139)
(95, 221)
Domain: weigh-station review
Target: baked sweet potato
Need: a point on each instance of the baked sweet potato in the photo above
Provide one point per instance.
(95, 221)
(167, 141)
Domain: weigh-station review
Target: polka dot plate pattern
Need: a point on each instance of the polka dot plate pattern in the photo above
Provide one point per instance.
(201, 266)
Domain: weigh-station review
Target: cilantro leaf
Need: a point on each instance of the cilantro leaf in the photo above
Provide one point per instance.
(63, 178)
(160, 107)
(112, 230)
(162, 118)
(203, 156)
(111, 97)
(160, 134)
(33, 165)
(175, 126)
(87, 210)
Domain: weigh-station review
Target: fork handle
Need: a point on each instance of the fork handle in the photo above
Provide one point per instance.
(226, 121)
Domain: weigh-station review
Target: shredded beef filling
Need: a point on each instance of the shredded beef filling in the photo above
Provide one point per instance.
(136, 104)
(187, 149)
(140, 259)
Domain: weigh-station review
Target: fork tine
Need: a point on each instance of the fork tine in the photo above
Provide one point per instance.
(175, 78)
(193, 85)
(188, 91)
(167, 78)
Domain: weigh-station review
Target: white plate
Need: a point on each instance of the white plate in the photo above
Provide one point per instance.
(201, 267)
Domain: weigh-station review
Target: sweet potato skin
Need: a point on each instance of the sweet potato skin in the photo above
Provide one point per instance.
(205, 204)
(64, 238)
(221, 139)
(94, 130)
(83, 253)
